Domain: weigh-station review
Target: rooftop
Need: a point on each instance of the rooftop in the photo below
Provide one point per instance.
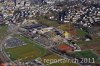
(65, 48)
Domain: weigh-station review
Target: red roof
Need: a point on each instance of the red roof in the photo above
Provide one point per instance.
(65, 48)
(2, 64)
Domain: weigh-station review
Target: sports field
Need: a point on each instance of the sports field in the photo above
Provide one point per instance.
(86, 54)
(27, 52)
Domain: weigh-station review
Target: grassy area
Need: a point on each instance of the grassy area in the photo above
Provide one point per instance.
(47, 22)
(80, 33)
(26, 52)
(50, 56)
(3, 31)
(64, 27)
(53, 56)
(86, 54)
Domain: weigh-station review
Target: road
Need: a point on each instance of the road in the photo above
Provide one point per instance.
(3, 56)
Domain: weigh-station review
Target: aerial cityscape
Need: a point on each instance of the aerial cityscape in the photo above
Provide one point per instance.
(49, 32)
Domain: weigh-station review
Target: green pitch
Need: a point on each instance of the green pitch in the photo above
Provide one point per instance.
(86, 54)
